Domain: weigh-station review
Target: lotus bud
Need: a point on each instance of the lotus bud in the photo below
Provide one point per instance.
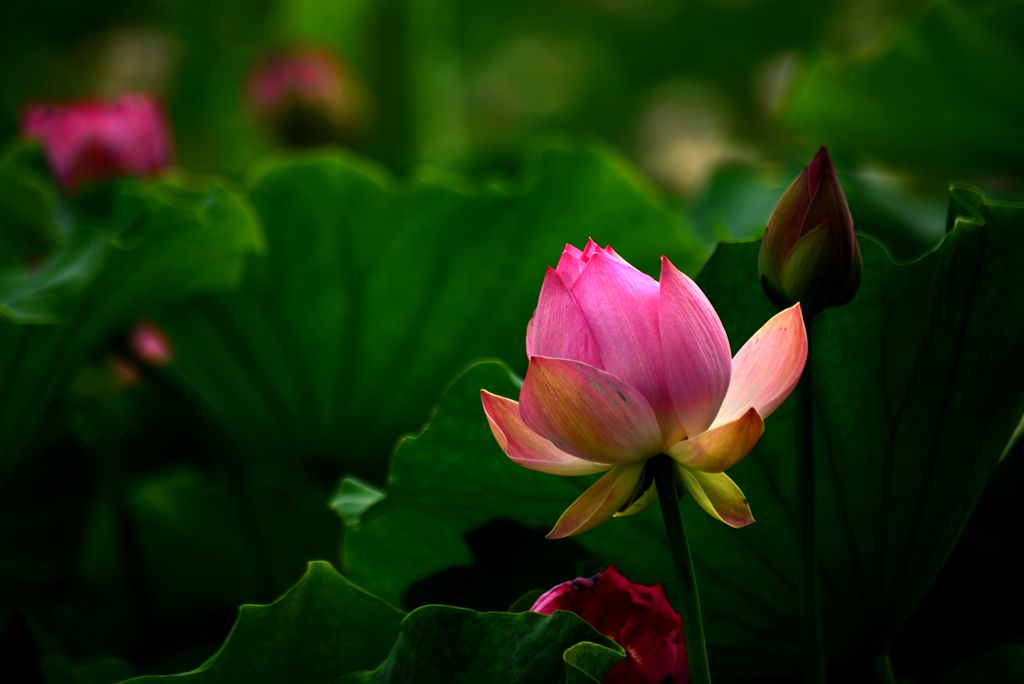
(810, 253)
(94, 140)
(149, 344)
(306, 97)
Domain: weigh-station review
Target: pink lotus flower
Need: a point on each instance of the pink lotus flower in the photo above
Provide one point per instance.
(639, 618)
(623, 368)
(90, 141)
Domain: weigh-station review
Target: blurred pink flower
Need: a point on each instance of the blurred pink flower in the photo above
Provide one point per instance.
(623, 368)
(95, 140)
(306, 95)
(149, 343)
(638, 617)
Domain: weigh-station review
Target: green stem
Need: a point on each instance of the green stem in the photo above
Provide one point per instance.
(881, 667)
(419, 78)
(436, 80)
(114, 485)
(810, 601)
(663, 469)
(394, 108)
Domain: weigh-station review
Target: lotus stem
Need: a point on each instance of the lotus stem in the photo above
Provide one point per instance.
(693, 623)
(810, 601)
(882, 669)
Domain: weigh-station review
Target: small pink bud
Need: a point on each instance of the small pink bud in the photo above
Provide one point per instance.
(638, 617)
(89, 141)
(306, 97)
(810, 253)
(150, 344)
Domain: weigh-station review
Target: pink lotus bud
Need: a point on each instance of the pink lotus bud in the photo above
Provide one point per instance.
(150, 344)
(91, 141)
(306, 97)
(624, 368)
(810, 253)
(637, 617)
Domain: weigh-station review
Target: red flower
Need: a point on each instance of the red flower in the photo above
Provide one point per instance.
(94, 140)
(639, 618)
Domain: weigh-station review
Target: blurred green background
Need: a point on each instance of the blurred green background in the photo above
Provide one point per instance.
(719, 103)
(925, 88)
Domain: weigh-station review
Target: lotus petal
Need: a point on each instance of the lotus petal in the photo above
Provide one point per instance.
(718, 495)
(526, 447)
(587, 412)
(698, 361)
(558, 328)
(722, 447)
(600, 502)
(767, 368)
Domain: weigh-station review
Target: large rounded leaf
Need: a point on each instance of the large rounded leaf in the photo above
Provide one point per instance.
(323, 628)
(446, 645)
(372, 296)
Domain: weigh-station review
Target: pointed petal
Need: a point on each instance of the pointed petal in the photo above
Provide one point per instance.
(612, 253)
(599, 502)
(718, 495)
(558, 328)
(787, 218)
(767, 368)
(722, 447)
(621, 305)
(526, 447)
(593, 248)
(590, 249)
(808, 264)
(570, 265)
(828, 204)
(698, 361)
(587, 412)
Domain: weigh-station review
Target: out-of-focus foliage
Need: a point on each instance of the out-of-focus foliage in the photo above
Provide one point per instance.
(678, 86)
(94, 266)
(942, 99)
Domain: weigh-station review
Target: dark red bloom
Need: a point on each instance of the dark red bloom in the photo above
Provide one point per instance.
(95, 140)
(638, 617)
